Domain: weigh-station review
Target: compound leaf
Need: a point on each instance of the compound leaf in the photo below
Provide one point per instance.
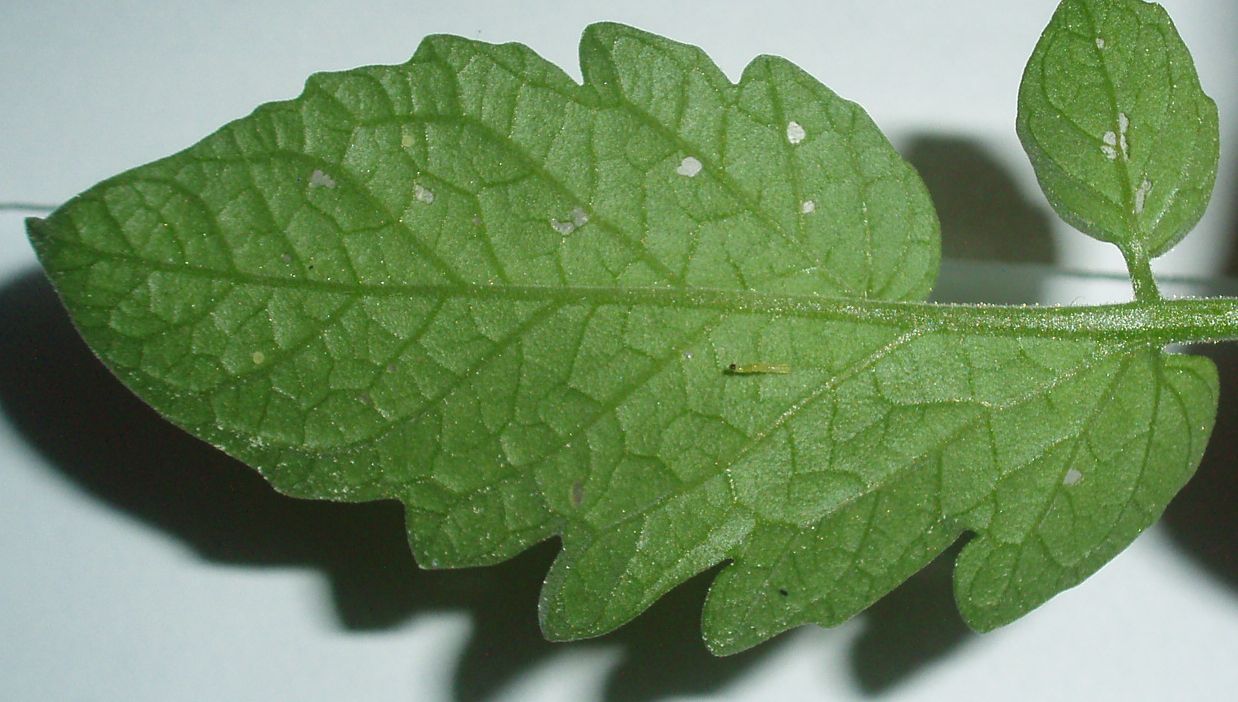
(513, 303)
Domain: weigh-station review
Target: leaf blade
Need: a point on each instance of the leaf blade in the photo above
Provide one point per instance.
(1123, 139)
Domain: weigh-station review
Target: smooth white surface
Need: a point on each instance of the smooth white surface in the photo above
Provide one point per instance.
(98, 604)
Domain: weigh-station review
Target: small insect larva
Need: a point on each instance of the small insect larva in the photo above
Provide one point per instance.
(757, 368)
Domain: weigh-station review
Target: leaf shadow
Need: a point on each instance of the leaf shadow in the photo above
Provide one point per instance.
(113, 447)
(985, 217)
(1203, 518)
(109, 444)
(910, 629)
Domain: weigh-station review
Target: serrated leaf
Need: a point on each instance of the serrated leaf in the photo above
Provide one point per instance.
(1124, 141)
(513, 302)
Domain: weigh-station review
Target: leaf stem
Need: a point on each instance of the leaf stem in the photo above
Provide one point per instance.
(1140, 267)
(1157, 323)
(26, 207)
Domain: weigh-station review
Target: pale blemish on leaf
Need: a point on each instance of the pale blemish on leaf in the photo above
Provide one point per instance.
(689, 166)
(795, 133)
(1072, 477)
(808, 207)
(258, 358)
(1124, 124)
(1100, 43)
(423, 194)
(1110, 145)
(576, 219)
(318, 179)
(1141, 195)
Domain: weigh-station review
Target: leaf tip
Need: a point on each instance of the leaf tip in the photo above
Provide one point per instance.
(723, 643)
(35, 227)
(608, 30)
(550, 619)
(40, 233)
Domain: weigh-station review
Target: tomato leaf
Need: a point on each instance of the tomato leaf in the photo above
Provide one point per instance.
(673, 320)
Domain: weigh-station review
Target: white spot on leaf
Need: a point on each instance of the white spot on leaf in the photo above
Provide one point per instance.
(808, 207)
(423, 194)
(1110, 145)
(689, 167)
(1123, 125)
(576, 219)
(318, 179)
(1141, 195)
(406, 140)
(795, 132)
(1100, 42)
(1072, 477)
(258, 358)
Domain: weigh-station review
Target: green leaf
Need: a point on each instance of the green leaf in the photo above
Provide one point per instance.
(513, 303)
(1123, 139)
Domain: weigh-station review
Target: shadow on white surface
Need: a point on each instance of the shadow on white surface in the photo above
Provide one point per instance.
(1204, 516)
(87, 426)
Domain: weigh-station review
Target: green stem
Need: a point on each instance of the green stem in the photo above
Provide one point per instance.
(26, 207)
(1185, 321)
(1140, 267)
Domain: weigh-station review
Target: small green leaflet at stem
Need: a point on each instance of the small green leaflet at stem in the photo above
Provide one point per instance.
(673, 320)
(1124, 141)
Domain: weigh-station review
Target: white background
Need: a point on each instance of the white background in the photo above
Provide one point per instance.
(138, 565)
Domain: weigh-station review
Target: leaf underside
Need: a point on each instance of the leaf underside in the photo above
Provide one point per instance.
(1124, 140)
(470, 284)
